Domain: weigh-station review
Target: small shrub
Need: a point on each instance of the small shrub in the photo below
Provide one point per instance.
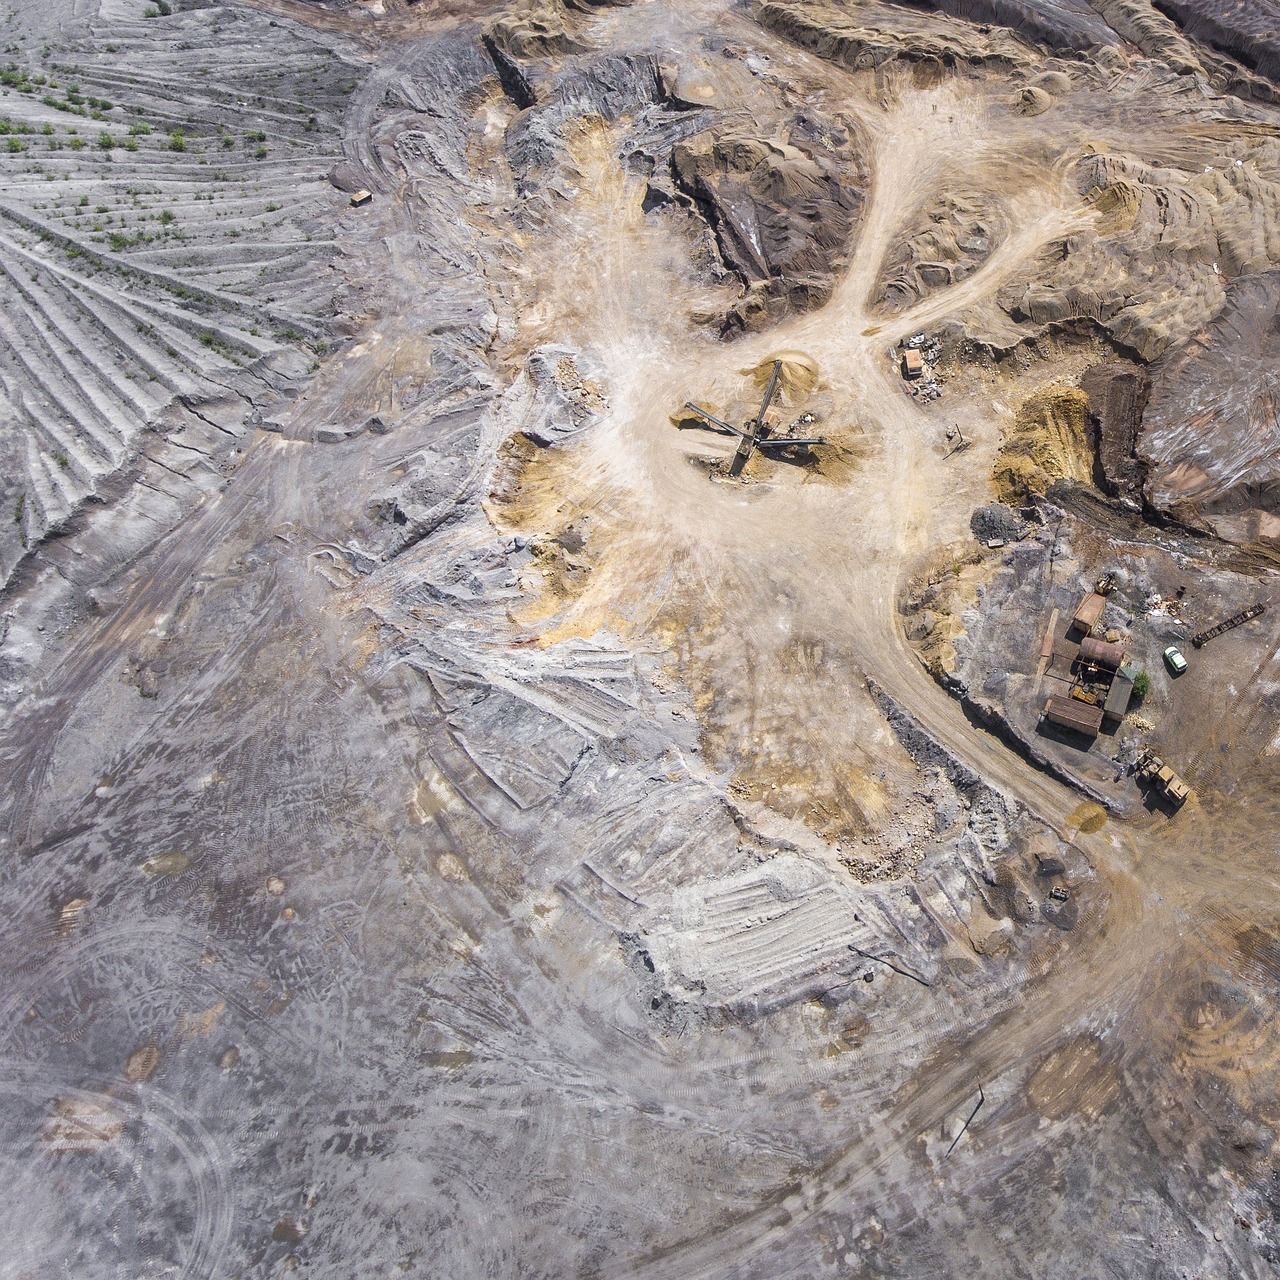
(1141, 685)
(166, 216)
(260, 153)
(139, 129)
(177, 141)
(106, 141)
(274, 208)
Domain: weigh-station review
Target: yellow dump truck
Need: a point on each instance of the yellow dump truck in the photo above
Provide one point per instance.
(1153, 770)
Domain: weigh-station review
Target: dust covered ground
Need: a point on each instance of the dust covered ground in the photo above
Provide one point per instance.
(454, 827)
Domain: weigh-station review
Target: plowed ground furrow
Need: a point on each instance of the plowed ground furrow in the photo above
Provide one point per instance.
(649, 863)
(53, 395)
(102, 381)
(87, 458)
(176, 356)
(199, 303)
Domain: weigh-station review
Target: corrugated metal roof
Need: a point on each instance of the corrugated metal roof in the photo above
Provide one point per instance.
(1090, 611)
(1121, 691)
(1073, 714)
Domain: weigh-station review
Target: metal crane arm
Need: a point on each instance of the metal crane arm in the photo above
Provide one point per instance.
(711, 418)
(768, 394)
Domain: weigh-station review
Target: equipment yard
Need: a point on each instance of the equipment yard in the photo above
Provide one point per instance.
(586, 642)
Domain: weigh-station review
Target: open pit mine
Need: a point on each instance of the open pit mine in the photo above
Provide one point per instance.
(640, 640)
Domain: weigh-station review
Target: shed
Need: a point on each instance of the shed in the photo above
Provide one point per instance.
(912, 363)
(1110, 657)
(1071, 714)
(1119, 694)
(361, 197)
(1090, 610)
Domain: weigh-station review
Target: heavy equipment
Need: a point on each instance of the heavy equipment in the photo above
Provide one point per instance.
(756, 432)
(1237, 620)
(1151, 769)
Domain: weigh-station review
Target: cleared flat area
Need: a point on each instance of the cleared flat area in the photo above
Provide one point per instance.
(454, 829)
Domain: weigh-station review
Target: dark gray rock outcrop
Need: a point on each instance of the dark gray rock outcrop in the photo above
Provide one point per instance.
(1118, 392)
(782, 218)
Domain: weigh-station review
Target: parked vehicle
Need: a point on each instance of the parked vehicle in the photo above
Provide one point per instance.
(1153, 771)
(1174, 660)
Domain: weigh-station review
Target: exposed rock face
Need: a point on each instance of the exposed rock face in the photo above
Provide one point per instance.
(782, 218)
(1070, 24)
(1118, 392)
(1246, 29)
(629, 87)
(1170, 241)
(1211, 433)
(863, 36)
(957, 235)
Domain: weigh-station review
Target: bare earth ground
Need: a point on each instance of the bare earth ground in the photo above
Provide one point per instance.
(455, 831)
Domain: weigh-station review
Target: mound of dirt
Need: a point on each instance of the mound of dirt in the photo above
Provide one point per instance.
(1141, 24)
(997, 523)
(781, 216)
(1246, 29)
(532, 29)
(1049, 442)
(952, 238)
(1169, 242)
(1031, 101)
(797, 375)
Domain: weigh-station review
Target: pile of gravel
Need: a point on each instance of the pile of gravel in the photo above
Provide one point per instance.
(997, 523)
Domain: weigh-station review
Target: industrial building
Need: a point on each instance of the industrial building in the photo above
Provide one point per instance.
(1072, 714)
(1089, 612)
(1120, 694)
